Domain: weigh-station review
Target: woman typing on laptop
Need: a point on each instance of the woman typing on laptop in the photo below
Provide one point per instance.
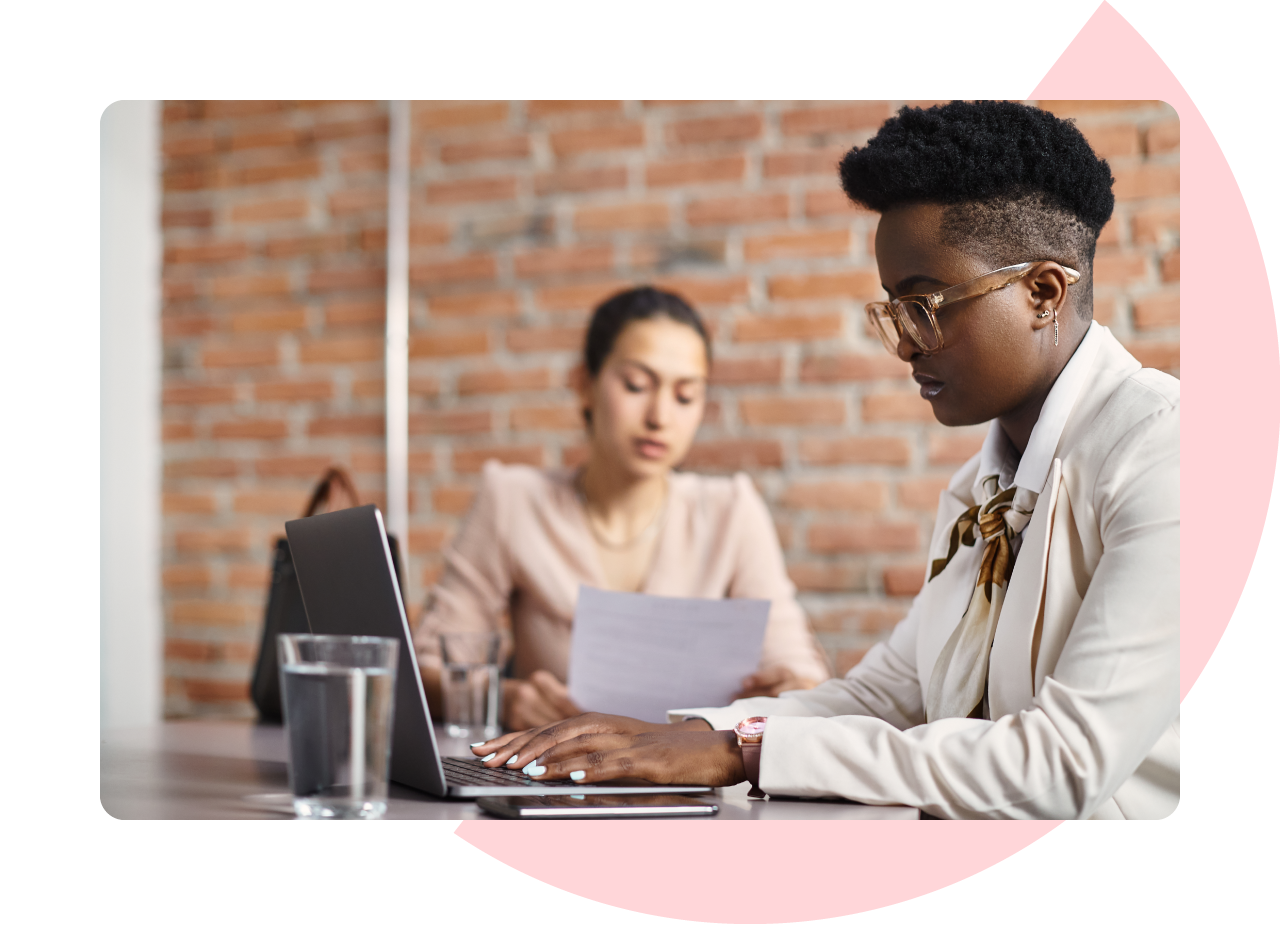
(624, 521)
(1036, 674)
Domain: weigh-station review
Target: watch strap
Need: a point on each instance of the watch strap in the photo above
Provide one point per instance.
(751, 761)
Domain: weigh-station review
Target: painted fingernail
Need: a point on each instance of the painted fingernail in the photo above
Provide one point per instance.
(577, 775)
(535, 771)
(531, 764)
(577, 796)
(475, 745)
(488, 756)
(512, 759)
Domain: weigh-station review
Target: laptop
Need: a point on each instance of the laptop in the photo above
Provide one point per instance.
(349, 588)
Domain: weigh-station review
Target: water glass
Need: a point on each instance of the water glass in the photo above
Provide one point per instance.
(469, 676)
(339, 695)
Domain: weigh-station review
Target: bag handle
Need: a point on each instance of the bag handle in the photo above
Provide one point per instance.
(334, 477)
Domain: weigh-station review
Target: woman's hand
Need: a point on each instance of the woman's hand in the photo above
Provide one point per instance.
(523, 748)
(540, 700)
(773, 681)
(669, 756)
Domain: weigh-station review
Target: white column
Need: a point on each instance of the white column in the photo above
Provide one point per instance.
(132, 628)
(397, 358)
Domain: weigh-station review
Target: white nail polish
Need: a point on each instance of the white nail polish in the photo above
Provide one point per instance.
(488, 756)
(531, 764)
(577, 775)
(535, 771)
(577, 796)
(475, 745)
(512, 759)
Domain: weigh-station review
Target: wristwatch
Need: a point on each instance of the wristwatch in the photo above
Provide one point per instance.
(750, 733)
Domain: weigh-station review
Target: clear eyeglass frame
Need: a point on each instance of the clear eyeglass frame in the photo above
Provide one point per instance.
(917, 314)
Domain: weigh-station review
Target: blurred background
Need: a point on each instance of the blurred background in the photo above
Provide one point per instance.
(265, 222)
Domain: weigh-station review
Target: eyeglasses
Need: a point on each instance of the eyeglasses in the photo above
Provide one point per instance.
(917, 315)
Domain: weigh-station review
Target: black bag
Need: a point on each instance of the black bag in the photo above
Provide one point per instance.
(285, 612)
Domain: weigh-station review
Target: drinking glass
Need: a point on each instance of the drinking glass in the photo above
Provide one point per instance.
(339, 695)
(469, 676)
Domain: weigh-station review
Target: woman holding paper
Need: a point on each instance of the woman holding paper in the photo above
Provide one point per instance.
(1036, 674)
(624, 521)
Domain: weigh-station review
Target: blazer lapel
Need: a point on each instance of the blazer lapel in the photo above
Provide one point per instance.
(1011, 681)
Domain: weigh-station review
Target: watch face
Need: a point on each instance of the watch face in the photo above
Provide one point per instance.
(751, 729)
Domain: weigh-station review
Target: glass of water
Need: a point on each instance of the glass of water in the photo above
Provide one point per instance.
(339, 696)
(470, 680)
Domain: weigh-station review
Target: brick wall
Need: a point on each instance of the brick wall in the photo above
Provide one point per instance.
(524, 215)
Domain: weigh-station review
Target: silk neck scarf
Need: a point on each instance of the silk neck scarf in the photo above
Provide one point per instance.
(959, 680)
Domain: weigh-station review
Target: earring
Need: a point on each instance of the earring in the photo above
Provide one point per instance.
(1043, 314)
(1055, 327)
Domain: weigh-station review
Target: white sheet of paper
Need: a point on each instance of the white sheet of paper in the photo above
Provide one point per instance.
(640, 655)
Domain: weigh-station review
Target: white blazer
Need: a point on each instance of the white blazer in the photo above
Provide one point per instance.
(1083, 683)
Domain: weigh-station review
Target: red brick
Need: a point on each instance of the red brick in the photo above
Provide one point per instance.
(450, 422)
(824, 202)
(186, 326)
(571, 457)
(351, 201)
(1170, 267)
(953, 449)
(1154, 226)
(343, 350)
(364, 162)
(420, 463)
(426, 386)
(872, 619)
(448, 343)
(563, 260)
(172, 431)
(192, 394)
(473, 189)
(306, 467)
(903, 580)
(1112, 140)
(190, 650)
(282, 138)
(451, 114)
(1157, 354)
(791, 412)
(270, 210)
(351, 425)
(293, 391)
(503, 147)
(233, 109)
(175, 289)
(250, 429)
(825, 120)
(190, 146)
(742, 127)
(582, 297)
(631, 216)
(175, 503)
(531, 340)
(233, 287)
(580, 181)
(542, 109)
(215, 357)
(921, 494)
(858, 285)
(1155, 311)
(470, 460)
(1120, 269)
(1109, 236)
(201, 690)
(809, 161)
(730, 371)
(894, 451)
(1146, 181)
(243, 575)
(212, 252)
(428, 539)
(305, 245)
(284, 319)
(210, 541)
(490, 381)
(351, 128)
(735, 454)
(425, 234)
(187, 577)
(704, 291)
(738, 210)
(546, 417)
(369, 461)
(186, 218)
(756, 328)
(896, 406)
(835, 496)
(864, 537)
(603, 138)
(281, 501)
(798, 244)
(696, 170)
(201, 468)
(1163, 137)
(292, 169)
(853, 367)
(354, 278)
(451, 499)
(1070, 109)
(829, 578)
(470, 268)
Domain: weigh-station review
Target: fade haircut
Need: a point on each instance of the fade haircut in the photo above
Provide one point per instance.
(1017, 183)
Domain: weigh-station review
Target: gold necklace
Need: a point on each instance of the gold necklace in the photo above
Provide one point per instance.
(604, 541)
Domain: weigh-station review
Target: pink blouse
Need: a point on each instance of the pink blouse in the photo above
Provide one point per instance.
(525, 548)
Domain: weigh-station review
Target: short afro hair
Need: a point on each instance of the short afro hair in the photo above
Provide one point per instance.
(1018, 182)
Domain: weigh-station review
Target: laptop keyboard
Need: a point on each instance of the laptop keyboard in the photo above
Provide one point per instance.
(469, 772)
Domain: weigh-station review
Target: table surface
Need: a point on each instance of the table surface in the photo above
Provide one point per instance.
(238, 770)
